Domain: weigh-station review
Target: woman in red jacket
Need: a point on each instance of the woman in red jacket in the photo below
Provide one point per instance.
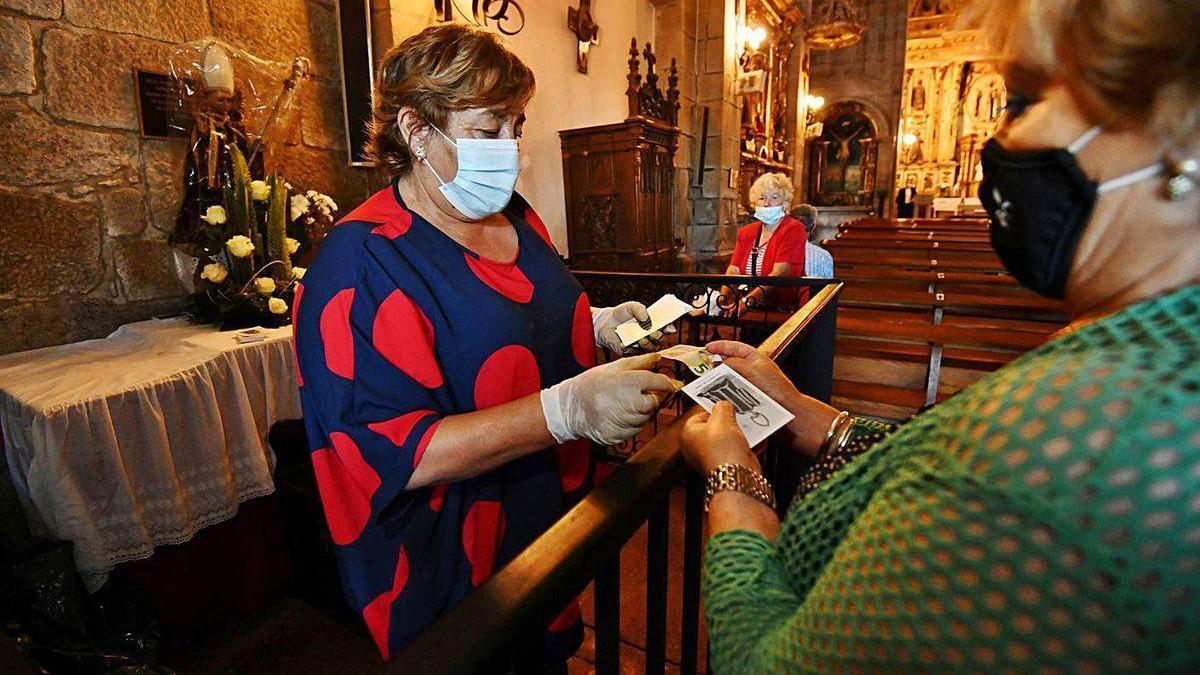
(772, 245)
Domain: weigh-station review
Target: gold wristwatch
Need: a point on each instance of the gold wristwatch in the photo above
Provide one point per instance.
(741, 479)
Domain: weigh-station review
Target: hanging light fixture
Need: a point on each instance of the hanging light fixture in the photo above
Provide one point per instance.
(836, 24)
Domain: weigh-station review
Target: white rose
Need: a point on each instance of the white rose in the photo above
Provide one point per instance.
(259, 190)
(215, 215)
(214, 272)
(298, 272)
(292, 245)
(277, 306)
(299, 204)
(264, 285)
(240, 246)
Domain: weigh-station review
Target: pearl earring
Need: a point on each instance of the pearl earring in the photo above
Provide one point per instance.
(1183, 177)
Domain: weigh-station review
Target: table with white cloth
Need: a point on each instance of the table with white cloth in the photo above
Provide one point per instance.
(142, 438)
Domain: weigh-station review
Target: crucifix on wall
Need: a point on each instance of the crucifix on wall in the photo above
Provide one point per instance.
(587, 33)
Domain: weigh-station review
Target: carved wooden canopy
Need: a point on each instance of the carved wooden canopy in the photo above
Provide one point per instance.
(646, 98)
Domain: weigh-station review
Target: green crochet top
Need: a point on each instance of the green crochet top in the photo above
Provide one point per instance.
(1045, 519)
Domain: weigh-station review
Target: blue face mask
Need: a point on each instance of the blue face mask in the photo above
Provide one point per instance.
(486, 177)
(769, 215)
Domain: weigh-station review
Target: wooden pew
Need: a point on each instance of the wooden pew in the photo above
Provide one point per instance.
(927, 308)
(949, 260)
(861, 271)
(901, 244)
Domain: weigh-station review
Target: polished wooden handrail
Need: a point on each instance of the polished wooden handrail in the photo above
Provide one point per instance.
(530, 589)
(778, 343)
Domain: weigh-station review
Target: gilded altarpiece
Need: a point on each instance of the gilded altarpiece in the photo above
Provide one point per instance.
(952, 101)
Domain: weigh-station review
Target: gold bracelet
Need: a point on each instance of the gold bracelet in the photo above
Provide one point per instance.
(834, 428)
(843, 435)
(740, 479)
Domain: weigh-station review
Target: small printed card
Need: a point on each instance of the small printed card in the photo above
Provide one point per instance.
(698, 359)
(758, 415)
(664, 312)
(250, 335)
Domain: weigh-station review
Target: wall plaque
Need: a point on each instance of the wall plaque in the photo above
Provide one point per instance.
(160, 109)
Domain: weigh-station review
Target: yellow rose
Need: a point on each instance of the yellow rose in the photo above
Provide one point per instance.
(277, 306)
(264, 285)
(214, 272)
(215, 215)
(259, 190)
(239, 246)
(298, 272)
(292, 245)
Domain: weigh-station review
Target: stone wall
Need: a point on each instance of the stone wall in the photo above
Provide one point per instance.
(713, 229)
(675, 26)
(871, 72)
(85, 203)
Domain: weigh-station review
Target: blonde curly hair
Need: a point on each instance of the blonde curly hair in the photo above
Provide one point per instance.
(770, 181)
(446, 67)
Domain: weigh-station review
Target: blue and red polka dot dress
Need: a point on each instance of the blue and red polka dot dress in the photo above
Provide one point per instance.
(396, 327)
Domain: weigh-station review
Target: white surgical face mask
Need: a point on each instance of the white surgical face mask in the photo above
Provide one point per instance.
(769, 215)
(487, 174)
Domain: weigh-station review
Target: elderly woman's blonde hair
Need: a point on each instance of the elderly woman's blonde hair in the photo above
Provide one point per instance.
(446, 67)
(1129, 63)
(771, 181)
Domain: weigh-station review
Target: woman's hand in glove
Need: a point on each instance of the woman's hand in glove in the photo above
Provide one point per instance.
(606, 319)
(607, 404)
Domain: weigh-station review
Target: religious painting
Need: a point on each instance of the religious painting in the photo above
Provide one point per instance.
(923, 8)
(843, 157)
(917, 98)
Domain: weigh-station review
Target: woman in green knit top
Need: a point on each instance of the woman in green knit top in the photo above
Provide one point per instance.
(1046, 518)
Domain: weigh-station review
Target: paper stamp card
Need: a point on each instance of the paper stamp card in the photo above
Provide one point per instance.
(758, 415)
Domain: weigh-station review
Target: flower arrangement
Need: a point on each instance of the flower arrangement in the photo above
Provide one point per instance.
(246, 276)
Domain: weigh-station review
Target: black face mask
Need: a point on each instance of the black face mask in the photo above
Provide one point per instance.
(1039, 202)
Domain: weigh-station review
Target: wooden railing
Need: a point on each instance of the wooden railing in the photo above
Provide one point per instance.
(585, 544)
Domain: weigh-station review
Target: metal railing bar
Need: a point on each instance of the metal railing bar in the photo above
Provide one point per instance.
(657, 541)
(608, 616)
(702, 279)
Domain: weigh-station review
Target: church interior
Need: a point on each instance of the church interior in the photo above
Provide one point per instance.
(199, 476)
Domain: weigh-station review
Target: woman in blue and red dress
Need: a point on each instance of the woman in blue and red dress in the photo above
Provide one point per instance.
(447, 356)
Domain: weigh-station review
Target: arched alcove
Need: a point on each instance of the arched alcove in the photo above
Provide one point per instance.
(844, 157)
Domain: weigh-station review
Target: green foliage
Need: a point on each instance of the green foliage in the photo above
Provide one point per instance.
(233, 300)
(277, 228)
(240, 211)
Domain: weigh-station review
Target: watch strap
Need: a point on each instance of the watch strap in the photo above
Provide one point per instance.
(739, 479)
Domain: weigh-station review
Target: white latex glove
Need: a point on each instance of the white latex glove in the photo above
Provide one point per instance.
(606, 319)
(607, 404)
